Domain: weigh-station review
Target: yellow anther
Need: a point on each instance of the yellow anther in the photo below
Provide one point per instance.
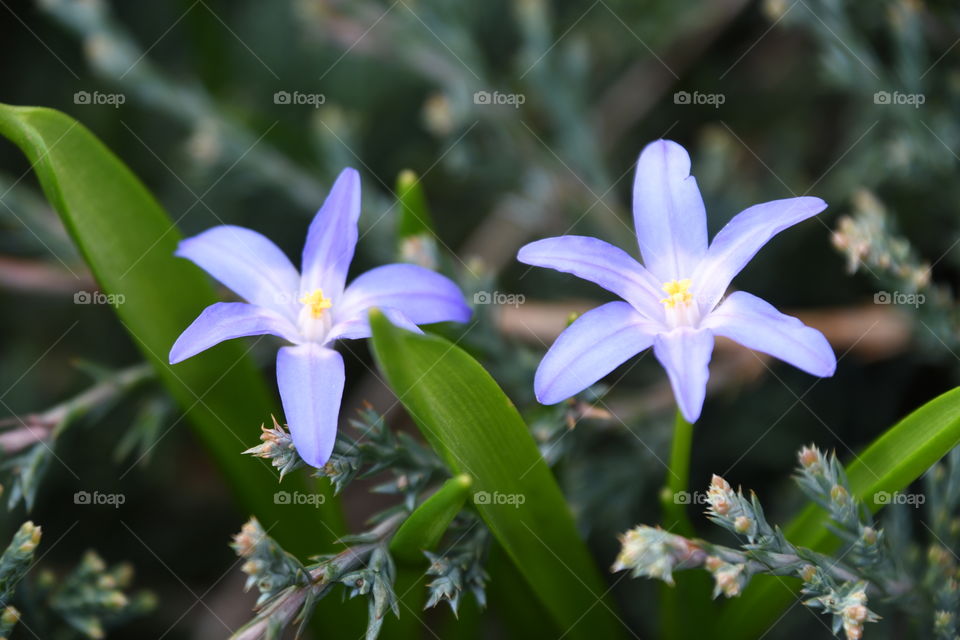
(678, 293)
(316, 302)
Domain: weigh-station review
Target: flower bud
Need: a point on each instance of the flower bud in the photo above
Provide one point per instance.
(742, 524)
(839, 495)
(808, 456)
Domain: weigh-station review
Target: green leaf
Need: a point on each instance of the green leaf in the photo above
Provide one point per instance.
(128, 241)
(414, 215)
(416, 241)
(475, 428)
(428, 522)
(894, 460)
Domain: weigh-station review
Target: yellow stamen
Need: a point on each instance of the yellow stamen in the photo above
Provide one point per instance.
(678, 293)
(316, 302)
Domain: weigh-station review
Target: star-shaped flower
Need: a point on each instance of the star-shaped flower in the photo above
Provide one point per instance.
(311, 309)
(674, 302)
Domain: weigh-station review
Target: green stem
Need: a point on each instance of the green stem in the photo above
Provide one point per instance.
(675, 496)
(675, 621)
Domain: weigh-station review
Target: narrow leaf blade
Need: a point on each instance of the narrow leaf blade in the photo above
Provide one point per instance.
(472, 424)
(422, 530)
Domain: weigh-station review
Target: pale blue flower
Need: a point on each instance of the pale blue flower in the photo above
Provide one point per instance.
(310, 309)
(675, 303)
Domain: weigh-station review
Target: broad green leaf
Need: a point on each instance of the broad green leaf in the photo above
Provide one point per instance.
(894, 460)
(128, 241)
(475, 428)
(428, 522)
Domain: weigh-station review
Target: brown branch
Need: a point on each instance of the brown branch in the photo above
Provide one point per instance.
(35, 276)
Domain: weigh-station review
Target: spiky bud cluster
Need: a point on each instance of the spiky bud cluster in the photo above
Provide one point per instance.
(654, 553)
(277, 447)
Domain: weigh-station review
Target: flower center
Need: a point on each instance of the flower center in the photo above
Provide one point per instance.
(680, 310)
(314, 320)
(678, 293)
(316, 303)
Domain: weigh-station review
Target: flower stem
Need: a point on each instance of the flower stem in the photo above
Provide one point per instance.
(675, 495)
(675, 621)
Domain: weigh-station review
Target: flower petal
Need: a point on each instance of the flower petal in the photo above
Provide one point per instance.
(247, 263)
(594, 345)
(311, 378)
(422, 295)
(736, 244)
(359, 326)
(332, 237)
(599, 262)
(668, 212)
(228, 320)
(757, 325)
(685, 354)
